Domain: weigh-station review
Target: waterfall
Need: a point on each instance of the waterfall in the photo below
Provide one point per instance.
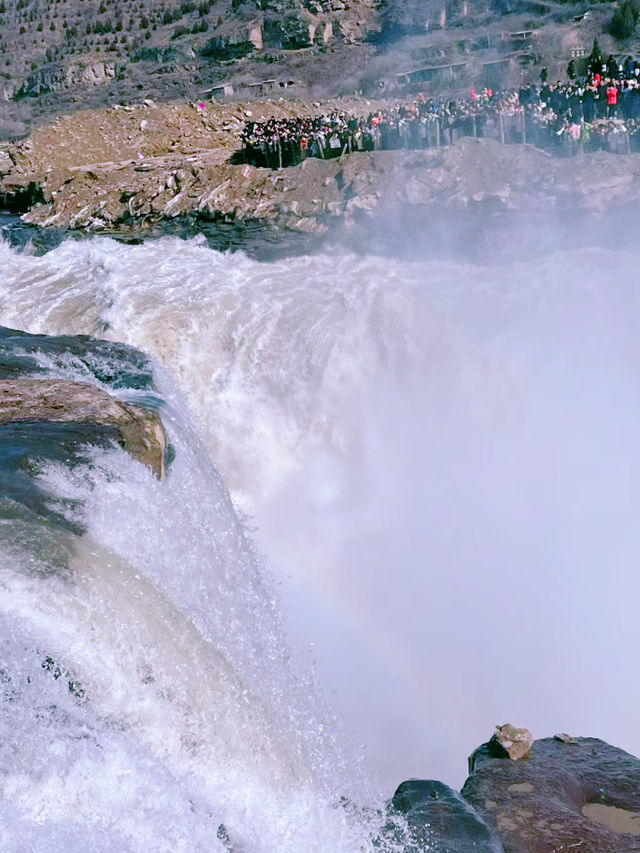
(432, 461)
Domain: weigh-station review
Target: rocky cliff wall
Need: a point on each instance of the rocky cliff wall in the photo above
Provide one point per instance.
(55, 78)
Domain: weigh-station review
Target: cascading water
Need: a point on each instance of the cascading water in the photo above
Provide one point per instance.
(439, 462)
(148, 700)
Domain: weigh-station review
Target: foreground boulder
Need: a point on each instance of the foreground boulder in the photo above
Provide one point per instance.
(55, 401)
(574, 794)
(440, 819)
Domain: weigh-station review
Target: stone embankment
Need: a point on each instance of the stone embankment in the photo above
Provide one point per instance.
(558, 794)
(131, 168)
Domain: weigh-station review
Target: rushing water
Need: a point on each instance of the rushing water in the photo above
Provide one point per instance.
(433, 469)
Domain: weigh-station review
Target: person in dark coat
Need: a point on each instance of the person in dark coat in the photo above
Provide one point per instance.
(601, 102)
(558, 100)
(594, 62)
(589, 104)
(575, 105)
(624, 98)
(628, 68)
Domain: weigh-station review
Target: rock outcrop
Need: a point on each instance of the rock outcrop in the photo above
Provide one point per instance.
(57, 401)
(6, 163)
(134, 168)
(565, 794)
(54, 78)
(439, 818)
(579, 794)
(506, 742)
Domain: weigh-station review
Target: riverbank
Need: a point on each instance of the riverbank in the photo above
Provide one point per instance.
(130, 170)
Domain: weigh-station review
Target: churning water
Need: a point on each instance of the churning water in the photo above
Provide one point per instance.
(434, 488)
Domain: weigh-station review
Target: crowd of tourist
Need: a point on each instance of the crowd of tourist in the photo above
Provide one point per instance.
(601, 110)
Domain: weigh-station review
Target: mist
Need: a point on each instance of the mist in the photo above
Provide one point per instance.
(475, 561)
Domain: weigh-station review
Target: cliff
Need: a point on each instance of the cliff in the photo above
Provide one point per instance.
(133, 168)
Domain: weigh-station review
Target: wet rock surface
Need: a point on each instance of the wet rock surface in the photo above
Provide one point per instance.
(578, 794)
(439, 818)
(115, 365)
(40, 401)
(53, 419)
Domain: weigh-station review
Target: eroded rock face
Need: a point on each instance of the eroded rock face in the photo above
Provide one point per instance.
(58, 401)
(440, 819)
(6, 163)
(54, 78)
(474, 175)
(577, 794)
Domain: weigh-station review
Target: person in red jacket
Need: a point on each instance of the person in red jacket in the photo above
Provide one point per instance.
(612, 100)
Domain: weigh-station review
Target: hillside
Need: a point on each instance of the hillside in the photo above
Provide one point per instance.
(60, 55)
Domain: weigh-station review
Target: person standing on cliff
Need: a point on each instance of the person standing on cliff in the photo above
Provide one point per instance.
(594, 62)
(628, 67)
(612, 100)
(589, 103)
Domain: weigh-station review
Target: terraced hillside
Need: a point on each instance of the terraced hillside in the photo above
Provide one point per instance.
(60, 55)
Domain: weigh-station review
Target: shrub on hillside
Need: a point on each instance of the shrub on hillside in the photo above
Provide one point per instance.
(624, 20)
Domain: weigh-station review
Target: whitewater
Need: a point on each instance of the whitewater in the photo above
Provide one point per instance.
(402, 509)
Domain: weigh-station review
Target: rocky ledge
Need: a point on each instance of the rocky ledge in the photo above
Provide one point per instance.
(131, 169)
(318, 194)
(58, 401)
(43, 417)
(556, 794)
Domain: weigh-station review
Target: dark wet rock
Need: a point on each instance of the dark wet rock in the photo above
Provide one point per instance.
(113, 364)
(440, 819)
(577, 794)
(46, 401)
(45, 421)
(19, 194)
(25, 449)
